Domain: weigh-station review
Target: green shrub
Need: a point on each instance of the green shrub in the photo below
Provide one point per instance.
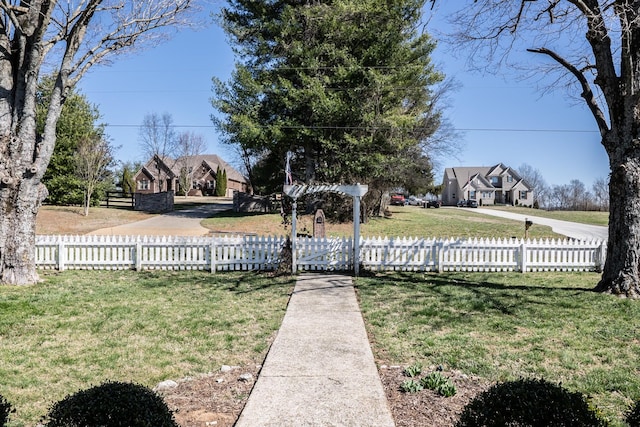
(413, 370)
(111, 404)
(411, 386)
(439, 383)
(528, 402)
(633, 416)
(5, 411)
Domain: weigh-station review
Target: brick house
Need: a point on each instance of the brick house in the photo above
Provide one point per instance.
(163, 174)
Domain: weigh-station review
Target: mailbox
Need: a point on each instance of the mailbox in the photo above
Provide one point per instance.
(527, 224)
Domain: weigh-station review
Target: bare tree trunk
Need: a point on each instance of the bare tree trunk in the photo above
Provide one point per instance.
(19, 206)
(621, 275)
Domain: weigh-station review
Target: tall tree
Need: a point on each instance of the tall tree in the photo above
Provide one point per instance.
(536, 182)
(67, 38)
(600, 191)
(93, 161)
(189, 146)
(347, 86)
(158, 140)
(595, 45)
(78, 122)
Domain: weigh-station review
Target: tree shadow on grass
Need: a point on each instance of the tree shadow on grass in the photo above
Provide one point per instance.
(448, 298)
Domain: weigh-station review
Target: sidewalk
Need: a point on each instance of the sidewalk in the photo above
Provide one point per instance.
(320, 369)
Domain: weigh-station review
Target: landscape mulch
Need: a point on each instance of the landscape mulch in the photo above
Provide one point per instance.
(217, 399)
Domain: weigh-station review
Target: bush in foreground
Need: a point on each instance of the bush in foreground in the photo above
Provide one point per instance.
(529, 402)
(633, 416)
(5, 411)
(111, 404)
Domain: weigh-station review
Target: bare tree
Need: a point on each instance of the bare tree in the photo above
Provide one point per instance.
(93, 159)
(189, 147)
(600, 190)
(534, 179)
(68, 38)
(594, 45)
(158, 141)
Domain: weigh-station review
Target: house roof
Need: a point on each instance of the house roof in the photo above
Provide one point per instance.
(212, 161)
(479, 177)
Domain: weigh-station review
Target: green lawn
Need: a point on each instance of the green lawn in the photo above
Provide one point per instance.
(78, 329)
(504, 326)
(409, 221)
(584, 217)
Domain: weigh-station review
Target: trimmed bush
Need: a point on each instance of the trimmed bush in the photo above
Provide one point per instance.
(111, 404)
(633, 416)
(529, 402)
(5, 411)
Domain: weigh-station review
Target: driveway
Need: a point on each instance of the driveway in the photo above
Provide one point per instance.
(184, 222)
(572, 230)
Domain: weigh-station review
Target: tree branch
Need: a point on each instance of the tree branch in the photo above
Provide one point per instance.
(587, 93)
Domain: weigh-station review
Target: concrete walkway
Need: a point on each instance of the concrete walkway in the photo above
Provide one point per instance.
(320, 369)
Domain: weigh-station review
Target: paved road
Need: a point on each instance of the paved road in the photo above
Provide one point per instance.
(570, 229)
(185, 222)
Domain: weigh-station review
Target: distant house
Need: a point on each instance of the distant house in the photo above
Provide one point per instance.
(163, 174)
(488, 185)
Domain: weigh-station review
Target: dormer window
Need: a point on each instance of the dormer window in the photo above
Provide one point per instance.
(495, 180)
(509, 178)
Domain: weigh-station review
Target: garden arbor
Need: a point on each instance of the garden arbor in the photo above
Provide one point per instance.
(356, 191)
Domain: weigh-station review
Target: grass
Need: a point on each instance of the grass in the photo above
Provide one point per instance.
(505, 326)
(406, 221)
(78, 329)
(584, 217)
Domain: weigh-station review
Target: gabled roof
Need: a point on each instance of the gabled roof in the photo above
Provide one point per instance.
(212, 161)
(479, 177)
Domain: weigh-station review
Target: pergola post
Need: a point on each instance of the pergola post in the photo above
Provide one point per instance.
(356, 235)
(294, 237)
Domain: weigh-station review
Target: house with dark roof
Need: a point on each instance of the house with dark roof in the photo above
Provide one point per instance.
(200, 172)
(487, 185)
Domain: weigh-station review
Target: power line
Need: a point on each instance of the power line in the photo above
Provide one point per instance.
(381, 127)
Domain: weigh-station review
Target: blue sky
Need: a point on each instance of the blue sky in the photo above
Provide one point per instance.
(501, 119)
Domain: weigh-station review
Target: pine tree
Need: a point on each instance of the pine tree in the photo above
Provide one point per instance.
(345, 85)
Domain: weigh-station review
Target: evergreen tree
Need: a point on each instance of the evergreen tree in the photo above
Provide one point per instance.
(218, 189)
(78, 122)
(223, 185)
(345, 85)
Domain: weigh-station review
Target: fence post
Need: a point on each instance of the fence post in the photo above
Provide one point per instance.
(212, 256)
(138, 256)
(523, 257)
(440, 257)
(61, 257)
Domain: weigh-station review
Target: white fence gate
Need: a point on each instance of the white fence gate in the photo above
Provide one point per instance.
(317, 254)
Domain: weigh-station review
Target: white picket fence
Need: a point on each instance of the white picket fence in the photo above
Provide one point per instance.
(330, 254)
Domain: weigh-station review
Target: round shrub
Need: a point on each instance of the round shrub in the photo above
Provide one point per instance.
(528, 402)
(5, 411)
(111, 404)
(633, 416)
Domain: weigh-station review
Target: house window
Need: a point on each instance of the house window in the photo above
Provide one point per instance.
(486, 194)
(523, 195)
(143, 184)
(509, 178)
(494, 180)
(211, 184)
(472, 195)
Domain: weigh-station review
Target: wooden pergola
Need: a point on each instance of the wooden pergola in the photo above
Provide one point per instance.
(356, 191)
